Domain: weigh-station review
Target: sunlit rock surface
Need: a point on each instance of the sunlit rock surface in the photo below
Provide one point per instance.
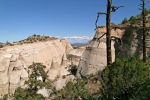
(94, 58)
(14, 62)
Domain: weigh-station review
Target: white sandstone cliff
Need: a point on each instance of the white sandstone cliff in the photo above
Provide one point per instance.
(14, 62)
(94, 58)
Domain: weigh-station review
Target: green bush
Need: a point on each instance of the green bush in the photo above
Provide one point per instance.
(5, 97)
(74, 90)
(133, 20)
(24, 94)
(126, 80)
(123, 80)
(125, 20)
(147, 11)
(38, 79)
(72, 69)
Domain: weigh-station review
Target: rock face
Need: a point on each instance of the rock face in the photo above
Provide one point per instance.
(56, 55)
(126, 42)
(14, 62)
(94, 57)
(148, 47)
(75, 54)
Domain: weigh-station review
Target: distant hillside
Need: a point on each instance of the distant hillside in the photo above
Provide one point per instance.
(36, 38)
(30, 39)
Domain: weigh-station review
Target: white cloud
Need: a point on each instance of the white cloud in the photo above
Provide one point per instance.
(79, 37)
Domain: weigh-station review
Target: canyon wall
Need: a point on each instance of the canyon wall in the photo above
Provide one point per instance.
(94, 58)
(57, 55)
(127, 41)
(14, 62)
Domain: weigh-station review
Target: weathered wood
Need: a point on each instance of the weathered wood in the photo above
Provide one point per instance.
(143, 29)
(108, 32)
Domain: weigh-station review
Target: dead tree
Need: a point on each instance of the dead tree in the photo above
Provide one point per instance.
(108, 31)
(143, 2)
(110, 9)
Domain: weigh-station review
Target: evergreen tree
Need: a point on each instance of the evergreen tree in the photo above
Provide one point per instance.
(130, 80)
(133, 20)
(38, 79)
(125, 20)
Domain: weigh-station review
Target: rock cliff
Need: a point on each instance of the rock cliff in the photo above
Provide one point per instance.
(14, 62)
(127, 42)
(94, 57)
(58, 54)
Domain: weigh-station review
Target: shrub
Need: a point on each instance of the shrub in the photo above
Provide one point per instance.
(125, 20)
(38, 79)
(74, 90)
(72, 69)
(126, 80)
(133, 20)
(122, 80)
(24, 94)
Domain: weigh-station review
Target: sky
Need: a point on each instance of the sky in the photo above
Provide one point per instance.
(72, 19)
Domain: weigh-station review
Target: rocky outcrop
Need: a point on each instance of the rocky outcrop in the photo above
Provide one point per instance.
(94, 57)
(126, 42)
(14, 62)
(75, 54)
(56, 55)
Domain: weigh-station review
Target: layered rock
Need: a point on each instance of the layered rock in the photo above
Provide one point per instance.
(75, 54)
(148, 47)
(127, 41)
(14, 62)
(94, 57)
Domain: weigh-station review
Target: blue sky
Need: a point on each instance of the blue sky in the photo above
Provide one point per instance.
(60, 18)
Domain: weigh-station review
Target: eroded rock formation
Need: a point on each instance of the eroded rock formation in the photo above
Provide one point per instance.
(58, 54)
(94, 57)
(126, 43)
(14, 62)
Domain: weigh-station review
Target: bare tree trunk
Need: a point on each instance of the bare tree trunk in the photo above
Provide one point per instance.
(144, 32)
(108, 34)
(108, 43)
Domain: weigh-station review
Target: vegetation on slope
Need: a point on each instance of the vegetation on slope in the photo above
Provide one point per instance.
(36, 38)
(38, 79)
(129, 79)
(135, 20)
(30, 39)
